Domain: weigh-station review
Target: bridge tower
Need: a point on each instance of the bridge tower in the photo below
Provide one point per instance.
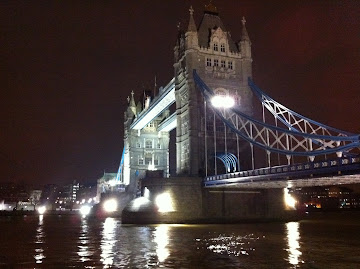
(145, 149)
(225, 66)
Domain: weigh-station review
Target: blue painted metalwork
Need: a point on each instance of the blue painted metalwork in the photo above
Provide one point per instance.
(285, 172)
(118, 176)
(275, 139)
(229, 160)
(280, 112)
(294, 121)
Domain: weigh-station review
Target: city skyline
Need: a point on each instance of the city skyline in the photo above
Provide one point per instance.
(68, 69)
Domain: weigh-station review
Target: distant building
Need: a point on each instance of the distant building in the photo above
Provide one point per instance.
(87, 194)
(49, 194)
(327, 198)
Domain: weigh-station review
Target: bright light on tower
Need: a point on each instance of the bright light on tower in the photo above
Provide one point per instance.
(289, 200)
(110, 205)
(164, 202)
(222, 101)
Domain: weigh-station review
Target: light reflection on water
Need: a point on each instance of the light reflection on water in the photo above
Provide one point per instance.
(83, 244)
(230, 244)
(108, 242)
(39, 241)
(75, 242)
(161, 238)
(293, 238)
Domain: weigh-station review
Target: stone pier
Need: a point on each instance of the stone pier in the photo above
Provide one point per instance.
(187, 201)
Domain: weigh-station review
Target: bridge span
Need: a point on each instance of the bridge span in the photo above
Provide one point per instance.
(331, 172)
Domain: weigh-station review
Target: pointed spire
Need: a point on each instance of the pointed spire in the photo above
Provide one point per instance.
(244, 33)
(155, 86)
(192, 25)
(132, 101)
(132, 106)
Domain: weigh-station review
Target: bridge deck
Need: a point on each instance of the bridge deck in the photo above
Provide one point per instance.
(331, 172)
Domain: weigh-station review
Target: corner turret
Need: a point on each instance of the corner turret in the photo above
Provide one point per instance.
(245, 43)
(132, 105)
(191, 35)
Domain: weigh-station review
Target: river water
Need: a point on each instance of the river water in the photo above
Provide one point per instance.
(70, 241)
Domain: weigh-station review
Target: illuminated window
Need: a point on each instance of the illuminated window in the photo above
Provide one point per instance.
(222, 47)
(216, 48)
(230, 65)
(216, 62)
(223, 64)
(148, 144)
(208, 62)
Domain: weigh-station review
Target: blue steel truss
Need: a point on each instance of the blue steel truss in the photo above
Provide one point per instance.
(294, 141)
(294, 121)
(119, 173)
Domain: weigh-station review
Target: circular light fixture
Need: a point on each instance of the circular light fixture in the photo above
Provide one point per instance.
(220, 101)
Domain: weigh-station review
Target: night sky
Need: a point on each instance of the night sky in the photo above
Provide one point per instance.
(66, 68)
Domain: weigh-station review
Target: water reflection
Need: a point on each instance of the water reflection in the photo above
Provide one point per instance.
(161, 238)
(293, 237)
(108, 242)
(232, 245)
(84, 252)
(39, 241)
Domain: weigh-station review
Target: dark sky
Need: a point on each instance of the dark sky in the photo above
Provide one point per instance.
(67, 66)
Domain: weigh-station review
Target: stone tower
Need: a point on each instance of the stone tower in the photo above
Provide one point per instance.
(225, 66)
(145, 149)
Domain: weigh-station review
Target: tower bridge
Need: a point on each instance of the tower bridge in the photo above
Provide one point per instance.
(218, 143)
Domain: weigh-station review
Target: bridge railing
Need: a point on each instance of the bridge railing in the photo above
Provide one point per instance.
(328, 166)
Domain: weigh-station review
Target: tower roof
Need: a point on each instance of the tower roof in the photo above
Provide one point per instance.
(192, 25)
(244, 33)
(211, 20)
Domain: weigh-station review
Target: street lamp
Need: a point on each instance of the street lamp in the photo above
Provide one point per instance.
(220, 101)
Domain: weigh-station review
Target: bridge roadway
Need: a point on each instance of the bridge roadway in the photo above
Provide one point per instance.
(161, 102)
(344, 170)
